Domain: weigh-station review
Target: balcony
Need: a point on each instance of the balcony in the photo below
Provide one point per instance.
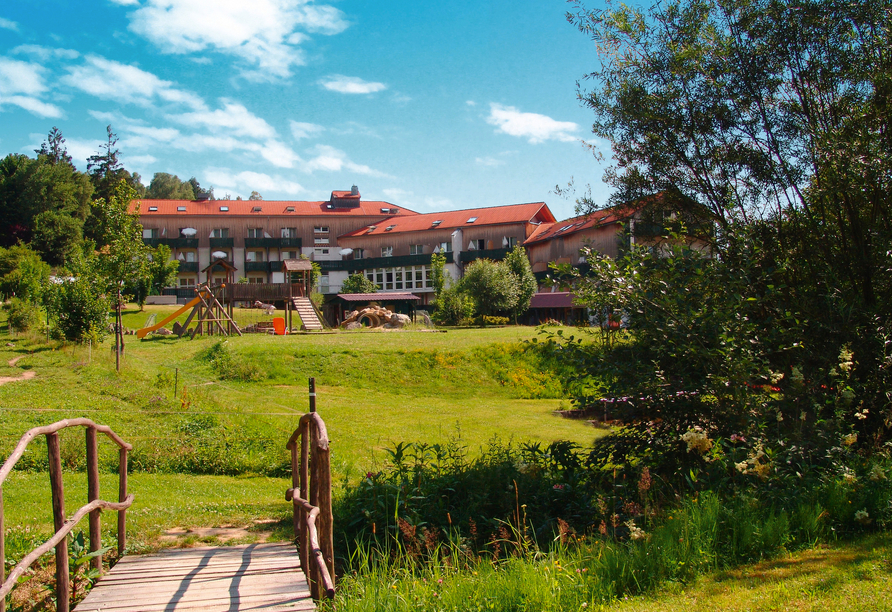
(493, 254)
(188, 266)
(174, 243)
(272, 243)
(222, 243)
(256, 266)
(400, 261)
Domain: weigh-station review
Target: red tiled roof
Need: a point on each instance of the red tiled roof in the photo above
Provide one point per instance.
(344, 194)
(267, 208)
(577, 224)
(378, 297)
(536, 212)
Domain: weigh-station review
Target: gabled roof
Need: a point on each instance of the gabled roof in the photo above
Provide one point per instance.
(297, 265)
(568, 227)
(267, 208)
(535, 212)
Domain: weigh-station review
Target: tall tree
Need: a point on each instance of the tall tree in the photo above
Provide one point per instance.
(255, 196)
(491, 285)
(166, 186)
(519, 264)
(105, 167)
(54, 148)
(358, 283)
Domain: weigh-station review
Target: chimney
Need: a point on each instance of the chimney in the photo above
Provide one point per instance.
(354, 190)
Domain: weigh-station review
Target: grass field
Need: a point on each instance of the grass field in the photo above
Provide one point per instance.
(374, 390)
(209, 421)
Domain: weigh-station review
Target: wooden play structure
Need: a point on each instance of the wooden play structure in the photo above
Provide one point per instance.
(208, 312)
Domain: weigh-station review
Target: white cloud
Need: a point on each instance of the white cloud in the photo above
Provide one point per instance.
(80, 150)
(305, 130)
(334, 160)
(111, 80)
(18, 77)
(250, 181)
(45, 53)
(233, 117)
(126, 2)
(264, 34)
(350, 85)
(470, 103)
(394, 194)
(32, 105)
(536, 128)
(141, 160)
(6, 24)
(21, 84)
(489, 161)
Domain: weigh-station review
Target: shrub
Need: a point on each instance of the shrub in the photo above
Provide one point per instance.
(220, 358)
(22, 315)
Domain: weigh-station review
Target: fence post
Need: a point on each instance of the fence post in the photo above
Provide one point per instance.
(2, 552)
(92, 495)
(312, 395)
(122, 495)
(63, 588)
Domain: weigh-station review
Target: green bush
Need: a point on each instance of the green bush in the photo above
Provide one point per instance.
(22, 315)
(228, 367)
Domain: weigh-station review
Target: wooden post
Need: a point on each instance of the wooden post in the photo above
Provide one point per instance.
(315, 583)
(92, 495)
(304, 489)
(63, 588)
(2, 552)
(122, 495)
(325, 521)
(312, 396)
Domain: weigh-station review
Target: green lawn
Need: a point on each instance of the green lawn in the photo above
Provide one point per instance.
(375, 389)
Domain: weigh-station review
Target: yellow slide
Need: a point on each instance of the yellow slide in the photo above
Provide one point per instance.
(148, 330)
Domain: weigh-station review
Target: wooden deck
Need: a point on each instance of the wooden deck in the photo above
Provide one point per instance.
(254, 577)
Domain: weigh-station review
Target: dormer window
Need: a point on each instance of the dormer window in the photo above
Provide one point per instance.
(153, 209)
(181, 209)
(436, 223)
(256, 209)
(389, 227)
(471, 220)
(289, 209)
(224, 209)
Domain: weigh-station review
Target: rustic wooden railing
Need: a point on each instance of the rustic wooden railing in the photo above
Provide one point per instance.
(311, 496)
(62, 526)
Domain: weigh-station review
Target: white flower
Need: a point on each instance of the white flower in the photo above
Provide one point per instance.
(877, 473)
(850, 439)
(862, 516)
(697, 440)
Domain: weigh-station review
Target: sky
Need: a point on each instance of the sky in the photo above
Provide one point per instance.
(427, 105)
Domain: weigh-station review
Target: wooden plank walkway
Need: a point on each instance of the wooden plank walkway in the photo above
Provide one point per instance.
(254, 577)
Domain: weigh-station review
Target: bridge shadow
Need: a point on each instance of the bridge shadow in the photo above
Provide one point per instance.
(187, 580)
(237, 579)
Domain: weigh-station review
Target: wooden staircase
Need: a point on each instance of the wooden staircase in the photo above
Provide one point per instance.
(307, 313)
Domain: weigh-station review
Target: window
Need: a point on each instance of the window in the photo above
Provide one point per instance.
(255, 232)
(416, 249)
(512, 242)
(289, 209)
(256, 209)
(387, 251)
(320, 240)
(289, 255)
(476, 245)
(389, 227)
(254, 256)
(224, 209)
(445, 247)
(181, 209)
(472, 219)
(320, 229)
(220, 232)
(187, 282)
(149, 233)
(436, 223)
(323, 282)
(256, 280)
(408, 277)
(320, 251)
(358, 253)
(153, 209)
(190, 256)
(289, 232)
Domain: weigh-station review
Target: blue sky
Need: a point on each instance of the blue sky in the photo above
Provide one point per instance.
(428, 105)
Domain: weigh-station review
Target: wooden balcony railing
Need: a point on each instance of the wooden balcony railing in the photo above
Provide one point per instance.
(63, 527)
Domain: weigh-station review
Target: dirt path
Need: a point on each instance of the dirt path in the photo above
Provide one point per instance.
(24, 376)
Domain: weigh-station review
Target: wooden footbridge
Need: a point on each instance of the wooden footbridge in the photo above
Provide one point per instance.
(269, 577)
